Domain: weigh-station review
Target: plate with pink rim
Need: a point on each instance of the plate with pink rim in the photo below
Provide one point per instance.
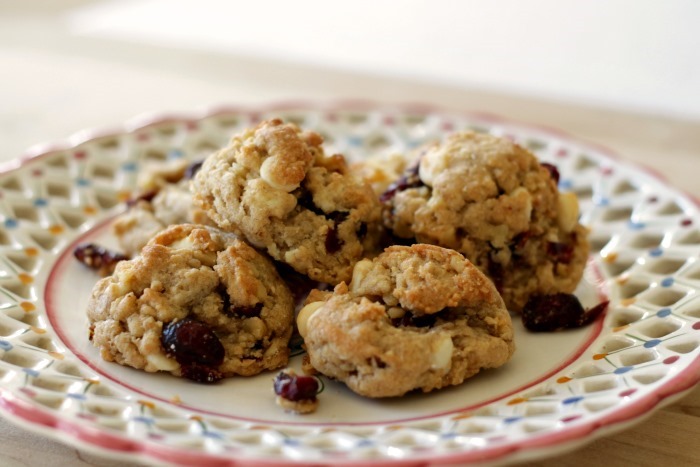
(559, 391)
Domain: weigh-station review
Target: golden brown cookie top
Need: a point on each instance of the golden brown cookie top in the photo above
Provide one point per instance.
(196, 280)
(494, 202)
(274, 185)
(424, 279)
(281, 151)
(480, 186)
(418, 317)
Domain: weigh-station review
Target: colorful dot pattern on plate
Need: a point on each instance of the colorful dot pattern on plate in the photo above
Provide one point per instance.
(645, 242)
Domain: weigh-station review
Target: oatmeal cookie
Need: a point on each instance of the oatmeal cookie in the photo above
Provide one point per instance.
(419, 317)
(171, 204)
(492, 201)
(275, 186)
(381, 171)
(197, 303)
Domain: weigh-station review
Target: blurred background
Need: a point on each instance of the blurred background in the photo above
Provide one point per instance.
(627, 67)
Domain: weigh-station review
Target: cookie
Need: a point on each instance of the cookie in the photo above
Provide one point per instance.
(171, 204)
(197, 303)
(492, 201)
(275, 186)
(414, 318)
(382, 170)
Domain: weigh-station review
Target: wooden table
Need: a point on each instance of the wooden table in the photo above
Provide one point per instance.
(54, 84)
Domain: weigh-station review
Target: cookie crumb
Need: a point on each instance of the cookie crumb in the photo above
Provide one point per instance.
(554, 312)
(296, 393)
(98, 258)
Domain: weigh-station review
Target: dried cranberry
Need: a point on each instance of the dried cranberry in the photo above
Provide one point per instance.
(496, 274)
(591, 314)
(247, 311)
(553, 171)
(410, 179)
(226, 300)
(338, 216)
(420, 321)
(232, 311)
(560, 252)
(191, 342)
(201, 374)
(333, 243)
(376, 362)
(281, 380)
(192, 169)
(362, 231)
(520, 240)
(295, 387)
(98, 257)
(306, 201)
(545, 313)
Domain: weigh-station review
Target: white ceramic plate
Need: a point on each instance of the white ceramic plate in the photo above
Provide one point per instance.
(559, 391)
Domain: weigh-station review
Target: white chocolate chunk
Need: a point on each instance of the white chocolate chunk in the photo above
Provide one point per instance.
(359, 273)
(430, 167)
(267, 174)
(567, 217)
(304, 316)
(442, 354)
(182, 244)
(457, 263)
(162, 362)
(256, 327)
(395, 312)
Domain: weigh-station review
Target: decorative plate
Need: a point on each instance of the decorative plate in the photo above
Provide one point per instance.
(559, 391)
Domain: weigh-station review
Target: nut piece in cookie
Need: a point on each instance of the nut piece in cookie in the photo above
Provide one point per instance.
(419, 317)
(275, 186)
(492, 201)
(198, 303)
